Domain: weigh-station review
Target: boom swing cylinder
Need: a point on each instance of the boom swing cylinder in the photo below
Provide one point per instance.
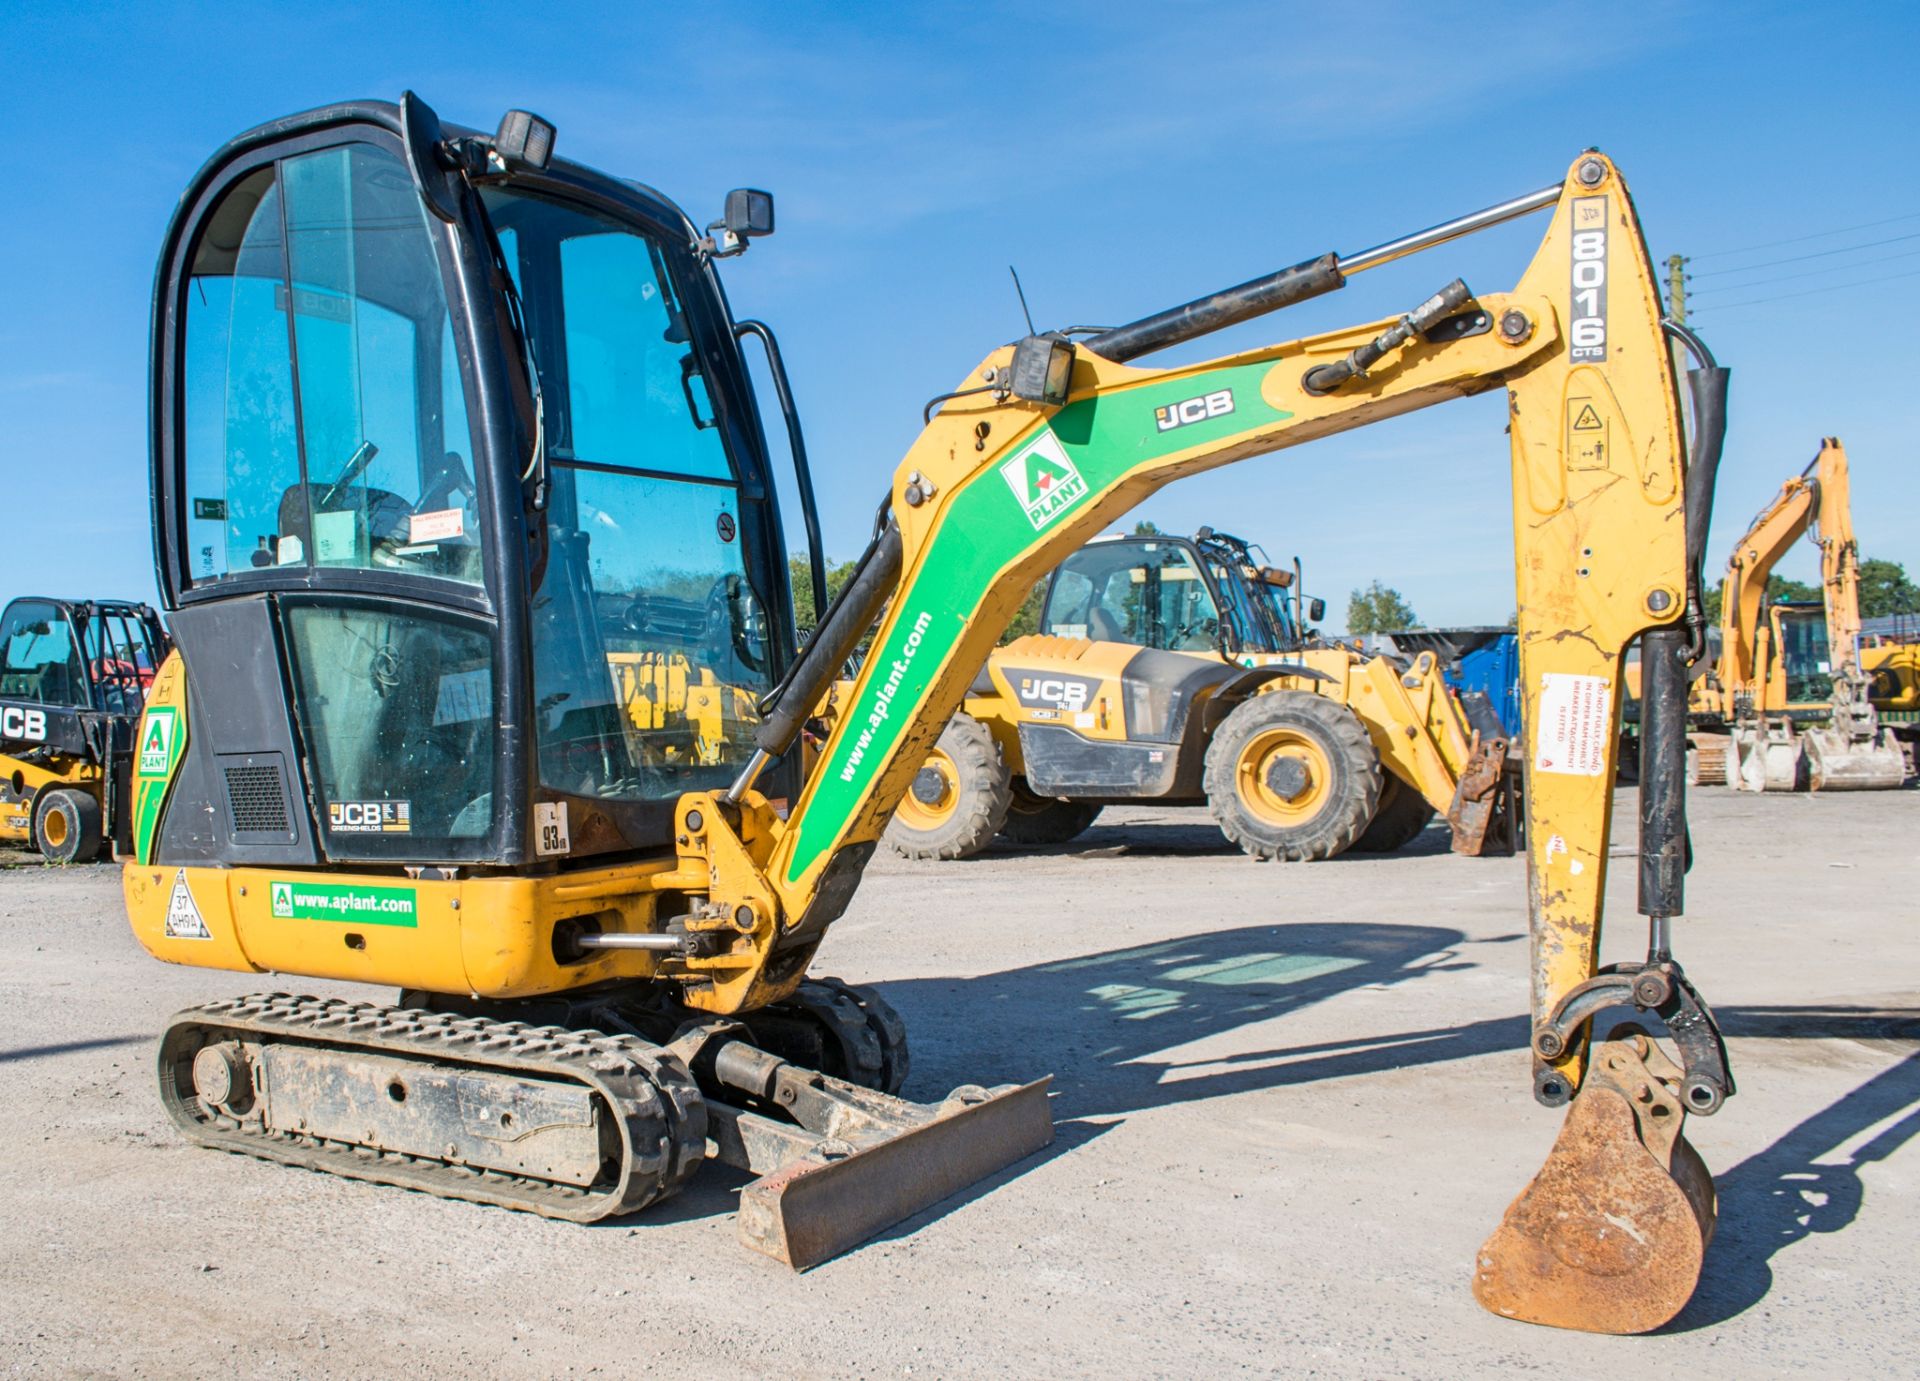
(622, 875)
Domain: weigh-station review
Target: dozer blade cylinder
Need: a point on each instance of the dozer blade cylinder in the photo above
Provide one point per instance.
(833, 1197)
(1610, 1235)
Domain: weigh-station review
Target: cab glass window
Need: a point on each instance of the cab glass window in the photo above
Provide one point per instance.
(651, 645)
(1149, 594)
(397, 710)
(330, 298)
(38, 658)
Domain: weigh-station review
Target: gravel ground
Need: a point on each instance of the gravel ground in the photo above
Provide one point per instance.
(1291, 1100)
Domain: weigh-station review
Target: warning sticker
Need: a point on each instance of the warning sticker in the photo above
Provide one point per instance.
(1586, 436)
(1576, 720)
(183, 917)
(438, 526)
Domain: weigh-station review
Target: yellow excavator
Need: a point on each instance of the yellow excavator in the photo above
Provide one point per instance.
(436, 414)
(1175, 670)
(1788, 703)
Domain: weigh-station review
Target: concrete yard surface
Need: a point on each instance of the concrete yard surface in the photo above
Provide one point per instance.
(1291, 1100)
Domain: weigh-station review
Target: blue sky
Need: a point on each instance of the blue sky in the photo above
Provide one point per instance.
(1125, 157)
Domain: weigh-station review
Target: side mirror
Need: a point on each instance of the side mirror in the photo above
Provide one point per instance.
(748, 214)
(1316, 609)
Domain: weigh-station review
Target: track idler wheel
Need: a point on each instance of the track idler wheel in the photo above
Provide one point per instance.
(1609, 1236)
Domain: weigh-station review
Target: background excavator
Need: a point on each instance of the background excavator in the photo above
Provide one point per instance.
(435, 414)
(73, 678)
(1787, 705)
(1178, 671)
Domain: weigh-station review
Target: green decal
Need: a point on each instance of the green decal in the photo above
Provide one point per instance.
(163, 740)
(313, 901)
(1087, 449)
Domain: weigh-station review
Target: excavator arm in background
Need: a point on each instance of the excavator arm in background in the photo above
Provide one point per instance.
(1851, 752)
(1048, 442)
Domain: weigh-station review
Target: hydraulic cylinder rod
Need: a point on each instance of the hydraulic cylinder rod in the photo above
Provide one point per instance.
(1305, 280)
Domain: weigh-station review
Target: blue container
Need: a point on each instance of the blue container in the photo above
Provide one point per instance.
(1482, 660)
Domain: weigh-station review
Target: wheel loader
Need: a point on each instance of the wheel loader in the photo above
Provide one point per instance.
(437, 414)
(1175, 670)
(73, 677)
(1787, 705)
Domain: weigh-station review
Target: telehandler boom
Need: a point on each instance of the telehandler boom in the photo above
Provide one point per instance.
(443, 424)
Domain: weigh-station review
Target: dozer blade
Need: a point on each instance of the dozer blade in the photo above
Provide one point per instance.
(835, 1194)
(1609, 1236)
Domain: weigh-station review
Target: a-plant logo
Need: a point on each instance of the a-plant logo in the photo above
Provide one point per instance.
(1044, 479)
(282, 900)
(156, 742)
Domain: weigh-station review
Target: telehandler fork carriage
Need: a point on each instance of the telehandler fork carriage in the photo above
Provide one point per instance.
(451, 435)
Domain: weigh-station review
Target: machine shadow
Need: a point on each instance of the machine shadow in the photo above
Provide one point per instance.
(1096, 1022)
(1199, 838)
(1799, 1186)
(41, 1052)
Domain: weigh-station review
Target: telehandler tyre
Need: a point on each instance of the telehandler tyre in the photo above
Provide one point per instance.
(1402, 814)
(958, 800)
(1292, 775)
(66, 827)
(1036, 820)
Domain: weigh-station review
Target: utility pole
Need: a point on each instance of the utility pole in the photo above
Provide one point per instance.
(1677, 287)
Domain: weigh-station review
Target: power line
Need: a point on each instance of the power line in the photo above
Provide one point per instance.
(1813, 292)
(1817, 254)
(1809, 273)
(1802, 239)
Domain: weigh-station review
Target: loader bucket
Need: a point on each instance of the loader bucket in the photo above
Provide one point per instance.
(1837, 763)
(1610, 1235)
(832, 1197)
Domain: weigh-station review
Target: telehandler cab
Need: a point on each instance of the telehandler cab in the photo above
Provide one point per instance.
(73, 678)
(443, 424)
(1175, 670)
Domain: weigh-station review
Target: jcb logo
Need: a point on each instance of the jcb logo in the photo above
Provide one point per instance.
(1193, 410)
(16, 722)
(1068, 693)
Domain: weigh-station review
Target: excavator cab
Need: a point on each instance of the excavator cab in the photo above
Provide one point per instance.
(1802, 664)
(466, 496)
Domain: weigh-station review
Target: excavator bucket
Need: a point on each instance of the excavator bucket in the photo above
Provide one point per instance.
(1610, 1235)
(1836, 762)
(1767, 757)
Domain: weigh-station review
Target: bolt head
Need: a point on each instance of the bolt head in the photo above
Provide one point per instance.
(1592, 172)
(1659, 601)
(1514, 326)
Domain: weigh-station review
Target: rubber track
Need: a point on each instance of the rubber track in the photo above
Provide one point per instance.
(661, 1118)
(869, 1031)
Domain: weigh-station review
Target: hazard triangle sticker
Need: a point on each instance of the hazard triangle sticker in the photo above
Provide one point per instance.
(183, 917)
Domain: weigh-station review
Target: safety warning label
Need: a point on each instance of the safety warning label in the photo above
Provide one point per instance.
(183, 916)
(1575, 721)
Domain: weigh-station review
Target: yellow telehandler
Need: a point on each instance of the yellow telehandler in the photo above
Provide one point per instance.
(1175, 670)
(73, 677)
(436, 413)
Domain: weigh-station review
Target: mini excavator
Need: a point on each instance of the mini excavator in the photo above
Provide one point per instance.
(444, 427)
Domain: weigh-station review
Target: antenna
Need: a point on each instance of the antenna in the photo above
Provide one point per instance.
(1023, 299)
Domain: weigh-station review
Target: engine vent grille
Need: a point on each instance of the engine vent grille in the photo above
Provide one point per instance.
(257, 799)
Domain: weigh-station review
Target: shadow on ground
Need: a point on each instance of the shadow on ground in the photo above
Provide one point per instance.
(1805, 1183)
